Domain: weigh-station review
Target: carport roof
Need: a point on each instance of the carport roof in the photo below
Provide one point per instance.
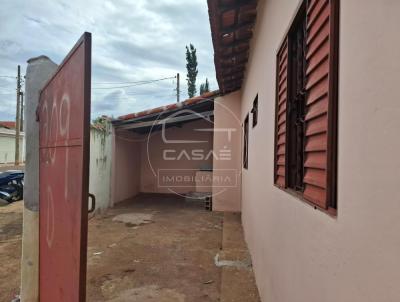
(171, 107)
(172, 115)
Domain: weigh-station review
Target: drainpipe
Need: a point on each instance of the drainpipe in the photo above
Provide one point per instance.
(39, 70)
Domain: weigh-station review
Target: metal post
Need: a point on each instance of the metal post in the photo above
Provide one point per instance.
(22, 113)
(17, 116)
(177, 88)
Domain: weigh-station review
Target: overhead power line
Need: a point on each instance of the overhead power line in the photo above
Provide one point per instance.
(135, 83)
(133, 92)
(3, 76)
(130, 82)
(129, 97)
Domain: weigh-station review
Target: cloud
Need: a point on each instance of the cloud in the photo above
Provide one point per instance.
(34, 20)
(132, 41)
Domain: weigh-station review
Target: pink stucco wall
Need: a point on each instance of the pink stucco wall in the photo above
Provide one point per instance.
(125, 166)
(301, 254)
(153, 159)
(227, 116)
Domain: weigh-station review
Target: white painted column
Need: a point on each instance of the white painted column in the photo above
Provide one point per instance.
(39, 70)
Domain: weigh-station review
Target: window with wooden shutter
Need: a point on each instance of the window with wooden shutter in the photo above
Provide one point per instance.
(254, 111)
(280, 115)
(311, 117)
(246, 142)
(296, 102)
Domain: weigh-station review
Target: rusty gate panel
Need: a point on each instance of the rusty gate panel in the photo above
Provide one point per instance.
(64, 117)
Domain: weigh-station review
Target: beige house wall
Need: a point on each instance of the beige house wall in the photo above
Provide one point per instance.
(227, 117)
(301, 254)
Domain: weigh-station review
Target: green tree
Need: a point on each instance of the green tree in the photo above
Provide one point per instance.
(205, 87)
(191, 66)
(101, 122)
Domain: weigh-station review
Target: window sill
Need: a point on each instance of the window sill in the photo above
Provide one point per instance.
(329, 211)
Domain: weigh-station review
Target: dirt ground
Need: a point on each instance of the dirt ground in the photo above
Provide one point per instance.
(10, 250)
(163, 250)
(153, 248)
(10, 245)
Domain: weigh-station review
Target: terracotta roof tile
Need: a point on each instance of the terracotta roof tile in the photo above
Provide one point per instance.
(173, 106)
(232, 23)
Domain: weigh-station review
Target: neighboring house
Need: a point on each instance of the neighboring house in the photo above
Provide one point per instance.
(7, 124)
(7, 143)
(315, 84)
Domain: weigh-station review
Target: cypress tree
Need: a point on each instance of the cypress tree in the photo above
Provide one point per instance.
(191, 66)
(205, 87)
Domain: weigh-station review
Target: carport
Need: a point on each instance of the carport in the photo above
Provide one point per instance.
(165, 150)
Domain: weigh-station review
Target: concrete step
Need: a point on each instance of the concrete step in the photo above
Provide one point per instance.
(196, 196)
(203, 198)
(237, 282)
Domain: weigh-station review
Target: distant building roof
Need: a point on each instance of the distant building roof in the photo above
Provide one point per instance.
(7, 124)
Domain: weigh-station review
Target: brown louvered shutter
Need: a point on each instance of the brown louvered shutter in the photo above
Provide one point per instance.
(321, 103)
(280, 115)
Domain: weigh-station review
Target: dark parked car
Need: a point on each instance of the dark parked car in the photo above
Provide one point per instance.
(12, 185)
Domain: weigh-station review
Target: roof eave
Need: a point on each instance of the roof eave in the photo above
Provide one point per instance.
(232, 23)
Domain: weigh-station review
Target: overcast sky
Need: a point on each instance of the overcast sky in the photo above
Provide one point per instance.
(132, 40)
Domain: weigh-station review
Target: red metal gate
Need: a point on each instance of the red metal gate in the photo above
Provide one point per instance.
(64, 117)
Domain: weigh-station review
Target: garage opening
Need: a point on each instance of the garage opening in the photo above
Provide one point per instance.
(166, 150)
